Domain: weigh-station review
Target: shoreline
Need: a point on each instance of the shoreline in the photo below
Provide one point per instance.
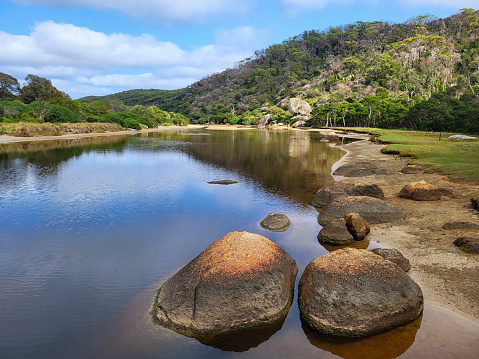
(447, 276)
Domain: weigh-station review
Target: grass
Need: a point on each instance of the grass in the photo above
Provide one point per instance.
(457, 158)
(29, 129)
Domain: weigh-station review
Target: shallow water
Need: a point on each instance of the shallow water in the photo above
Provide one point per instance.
(90, 228)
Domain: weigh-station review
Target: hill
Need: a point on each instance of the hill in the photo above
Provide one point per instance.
(366, 73)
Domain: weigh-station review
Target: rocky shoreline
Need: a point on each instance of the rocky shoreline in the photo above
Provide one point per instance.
(447, 275)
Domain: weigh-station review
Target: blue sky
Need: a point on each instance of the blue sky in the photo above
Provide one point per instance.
(98, 47)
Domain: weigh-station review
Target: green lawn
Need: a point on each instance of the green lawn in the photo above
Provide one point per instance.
(458, 158)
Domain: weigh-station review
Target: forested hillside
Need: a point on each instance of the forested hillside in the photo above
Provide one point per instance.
(423, 73)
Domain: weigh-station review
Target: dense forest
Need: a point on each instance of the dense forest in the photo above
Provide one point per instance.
(422, 74)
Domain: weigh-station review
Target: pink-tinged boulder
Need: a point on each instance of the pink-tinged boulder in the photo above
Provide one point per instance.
(242, 280)
(355, 293)
(420, 191)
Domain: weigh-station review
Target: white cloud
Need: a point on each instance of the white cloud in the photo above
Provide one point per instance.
(76, 58)
(319, 4)
(165, 10)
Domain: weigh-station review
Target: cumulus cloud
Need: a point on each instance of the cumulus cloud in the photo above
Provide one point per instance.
(165, 10)
(72, 56)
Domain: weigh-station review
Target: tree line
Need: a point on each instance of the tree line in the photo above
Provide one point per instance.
(39, 101)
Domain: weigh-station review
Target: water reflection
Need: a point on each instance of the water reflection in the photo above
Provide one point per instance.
(387, 345)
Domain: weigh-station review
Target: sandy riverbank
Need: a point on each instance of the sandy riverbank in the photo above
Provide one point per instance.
(447, 276)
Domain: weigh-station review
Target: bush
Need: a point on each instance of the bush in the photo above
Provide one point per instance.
(58, 113)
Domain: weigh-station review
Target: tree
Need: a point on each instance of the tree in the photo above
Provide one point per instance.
(8, 85)
(39, 89)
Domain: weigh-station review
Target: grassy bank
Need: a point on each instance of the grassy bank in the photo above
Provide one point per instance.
(432, 151)
(27, 129)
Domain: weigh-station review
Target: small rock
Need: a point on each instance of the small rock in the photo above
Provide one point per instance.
(449, 193)
(393, 255)
(460, 225)
(420, 191)
(224, 182)
(475, 201)
(335, 233)
(373, 210)
(240, 281)
(357, 226)
(412, 169)
(355, 293)
(342, 189)
(468, 244)
(461, 138)
(331, 136)
(276, 222)
(358, 169)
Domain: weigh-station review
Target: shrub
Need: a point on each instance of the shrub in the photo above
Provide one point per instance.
(58, 113)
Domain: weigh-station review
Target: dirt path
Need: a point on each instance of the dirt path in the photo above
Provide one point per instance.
(447, 276)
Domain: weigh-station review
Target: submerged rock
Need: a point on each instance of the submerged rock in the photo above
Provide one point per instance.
(468, 244)
(359, 169)
(420, 191)
(224, 182)
(242, 280)
(276, 222)
(335, 233)
(344, 188)
(393, 255)
(357, 226)
(373, 210)
(355, 293)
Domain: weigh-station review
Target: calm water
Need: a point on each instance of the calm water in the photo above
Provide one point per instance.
(90, 228)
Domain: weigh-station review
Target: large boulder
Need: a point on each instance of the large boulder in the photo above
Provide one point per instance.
(299, 107)
(393, 255)
(335, 233)
(242, 280)
(342, 189)
(357, 226)
(468, 244)
(420, 191)
(263, 121)
(355, 293)
(359, 169)
(276, 222)
(373, 210)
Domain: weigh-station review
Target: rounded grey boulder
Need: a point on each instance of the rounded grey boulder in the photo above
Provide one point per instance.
(355, 293)
(342, 189)
(373, 210)
(240, 281)
(275, 222)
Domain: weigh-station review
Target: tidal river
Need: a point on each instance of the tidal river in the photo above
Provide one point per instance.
(90, 228)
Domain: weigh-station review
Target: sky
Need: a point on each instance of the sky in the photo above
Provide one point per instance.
(99, 47)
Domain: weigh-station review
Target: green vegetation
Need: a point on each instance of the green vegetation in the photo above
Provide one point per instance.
(40, 102)
(422, 74)
(432, 151)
